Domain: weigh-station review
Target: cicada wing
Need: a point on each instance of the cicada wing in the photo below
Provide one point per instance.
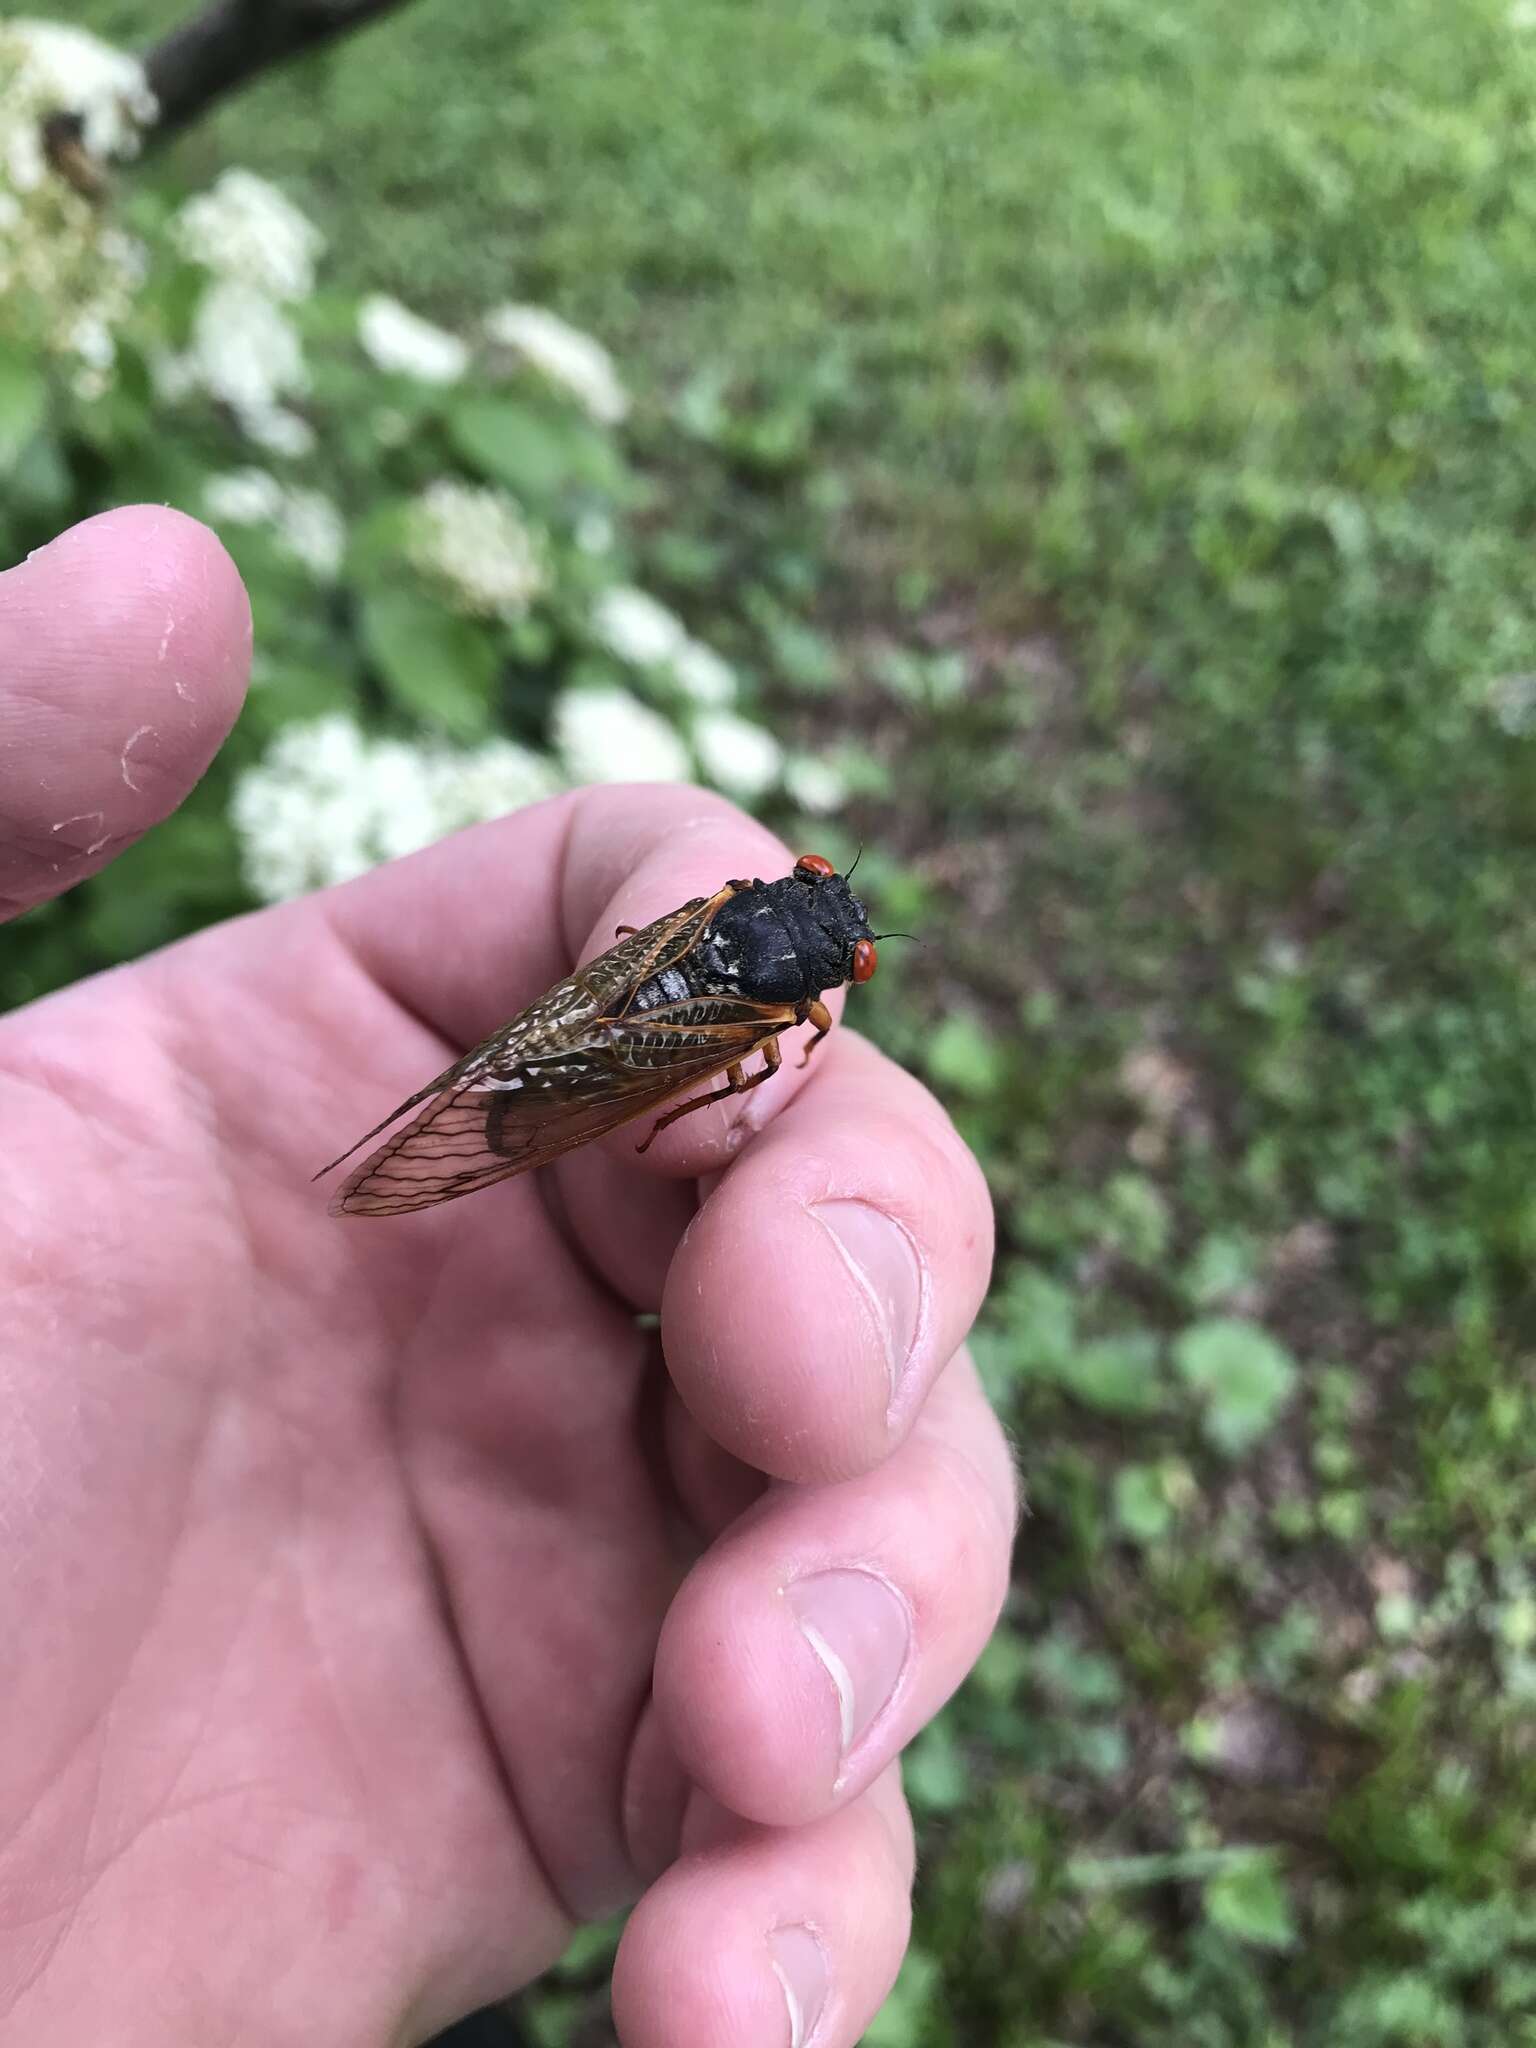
(564, 1014)
(464, 1141)
(501, 1122)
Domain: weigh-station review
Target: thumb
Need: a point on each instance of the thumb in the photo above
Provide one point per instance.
(124, 649)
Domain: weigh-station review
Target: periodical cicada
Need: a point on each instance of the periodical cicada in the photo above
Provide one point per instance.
(692, 996)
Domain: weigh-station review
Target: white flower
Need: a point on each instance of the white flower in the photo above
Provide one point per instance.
(498, 777)
(243, 229)
(609, 736)
(477, 545)
(594, 533)
(394, 815)
(737, 756)
(564, 355)
(633, 626)
(399, 340)
(703, 675)
(306, 524)
(327, 801)
(814, 784)
(278, 430)
(313, 531)
(1512, 699)
(67, 278)
(91, 340)
(638, 630)
(243, 497)
(244, 351)
(60, 67)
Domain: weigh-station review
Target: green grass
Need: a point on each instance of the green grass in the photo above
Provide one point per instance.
(1161, 378)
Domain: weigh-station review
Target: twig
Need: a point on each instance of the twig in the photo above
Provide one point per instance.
(232, 41)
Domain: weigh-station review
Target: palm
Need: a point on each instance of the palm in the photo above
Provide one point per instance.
(337, 1555)
(402, 1511)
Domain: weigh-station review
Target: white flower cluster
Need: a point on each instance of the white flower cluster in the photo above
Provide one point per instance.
(400, 341)
(59, 69)
(737, 756)
(567, 357)
(638, 630)
(327, 802)
(606, 735)
(1512, 701)
(260, 252)
(244, 229)
(817, 785)
(475, 544)
(67, 277)
(307, 524)
(633, 626)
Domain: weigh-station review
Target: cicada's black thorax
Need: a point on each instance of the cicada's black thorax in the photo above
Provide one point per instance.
(773, 942)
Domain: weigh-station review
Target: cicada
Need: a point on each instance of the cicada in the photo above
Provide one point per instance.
(689, 998)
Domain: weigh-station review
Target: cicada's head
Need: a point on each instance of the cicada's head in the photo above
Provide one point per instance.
(829, 924)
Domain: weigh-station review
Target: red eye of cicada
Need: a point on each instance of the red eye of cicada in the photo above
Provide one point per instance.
(814, 867)
(865, 960)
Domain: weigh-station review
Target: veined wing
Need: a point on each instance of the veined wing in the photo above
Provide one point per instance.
(565, 1013)
(506, 1117)
(611, 976)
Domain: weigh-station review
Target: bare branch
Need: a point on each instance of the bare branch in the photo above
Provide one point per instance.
(232, 42)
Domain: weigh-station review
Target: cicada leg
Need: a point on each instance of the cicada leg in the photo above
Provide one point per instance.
(625, 931)
(737, 1082)
(819, 1015)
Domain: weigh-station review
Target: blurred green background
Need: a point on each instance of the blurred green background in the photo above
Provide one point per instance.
(1117, 420)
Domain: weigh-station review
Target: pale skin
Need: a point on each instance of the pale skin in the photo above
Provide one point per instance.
(375, 1604)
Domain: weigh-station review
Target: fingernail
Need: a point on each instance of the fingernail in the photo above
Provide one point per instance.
(801, 1968)
(883, 1262)
(859, 1627)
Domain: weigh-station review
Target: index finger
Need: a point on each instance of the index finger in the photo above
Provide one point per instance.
(124, 646)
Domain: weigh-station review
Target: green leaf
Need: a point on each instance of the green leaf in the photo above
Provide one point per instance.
(590, 1949)
(934, 1770)
(23, 405)
(380, 540)
(902, 2022)
(535, 454)
(39, 481)
(1220, 1266)
(1080, 1677)
(1136, 1219)
(1244, 1376)
(1250, 1900)
(1030, 1330)
(435, 665)
(1117, 1375)
(962, 1055)
(285, 691)
(1142, 1507)
(553, 2018)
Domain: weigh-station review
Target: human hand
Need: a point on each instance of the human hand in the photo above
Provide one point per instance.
(375, 1605)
